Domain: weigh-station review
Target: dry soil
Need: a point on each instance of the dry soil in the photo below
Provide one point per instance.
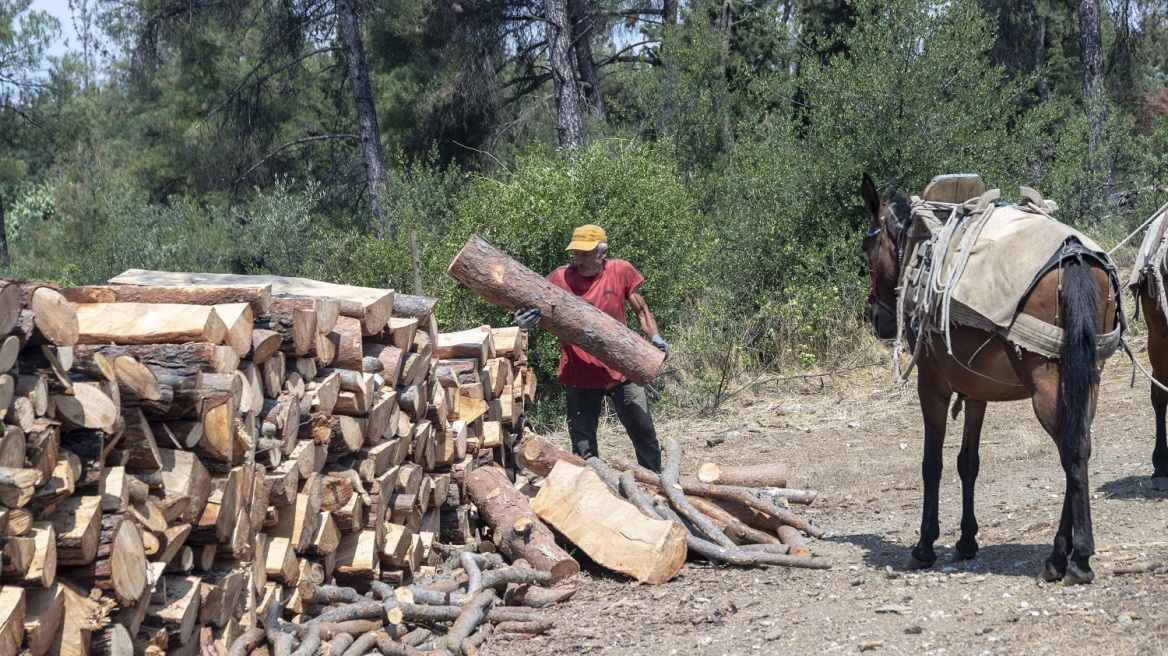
(857, 439)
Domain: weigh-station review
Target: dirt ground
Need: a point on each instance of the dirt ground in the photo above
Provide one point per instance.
(857, 439)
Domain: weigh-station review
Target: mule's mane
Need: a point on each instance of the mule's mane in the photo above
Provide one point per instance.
(898, 204)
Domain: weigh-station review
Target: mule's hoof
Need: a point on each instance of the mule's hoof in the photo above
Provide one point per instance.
(958, 555)
(1050, 573)
(1160, 483)
(1079, 576)
(914, 563)
(965, 550)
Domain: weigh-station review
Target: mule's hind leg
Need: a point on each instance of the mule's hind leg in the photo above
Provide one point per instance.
(1073, 542)
(1078, 499)
(934, 393)
(1158, 356)
(968, 463)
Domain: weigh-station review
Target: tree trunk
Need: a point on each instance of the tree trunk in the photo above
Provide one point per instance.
(504, 282)
(1042, 88)
(1094, 94)
(366, 117)
(582, 40)
(558, 30)
(725, 25)
(669, 11)
(5, 261)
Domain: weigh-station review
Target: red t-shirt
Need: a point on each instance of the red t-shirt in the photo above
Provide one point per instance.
(609, 292)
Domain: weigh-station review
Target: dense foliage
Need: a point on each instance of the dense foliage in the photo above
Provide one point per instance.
(723, 146)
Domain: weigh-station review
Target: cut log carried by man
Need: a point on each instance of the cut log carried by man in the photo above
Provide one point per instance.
(595, 356)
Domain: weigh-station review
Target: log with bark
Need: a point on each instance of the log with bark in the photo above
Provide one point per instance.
(504, 282)
(767, 474)
(518, 531)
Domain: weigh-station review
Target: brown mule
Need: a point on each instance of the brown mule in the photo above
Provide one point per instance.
(985, 367)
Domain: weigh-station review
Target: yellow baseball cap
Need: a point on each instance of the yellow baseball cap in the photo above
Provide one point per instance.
(586, 238)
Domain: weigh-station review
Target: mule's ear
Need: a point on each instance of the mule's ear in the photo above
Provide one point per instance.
(870, 195)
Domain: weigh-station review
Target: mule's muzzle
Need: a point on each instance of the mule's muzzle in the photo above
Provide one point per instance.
(883, 320)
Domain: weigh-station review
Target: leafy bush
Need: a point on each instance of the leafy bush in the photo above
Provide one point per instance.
(95, 237)
(628, 188)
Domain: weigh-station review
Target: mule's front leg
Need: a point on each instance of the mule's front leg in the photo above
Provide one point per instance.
(1160, 451)
(934, 393)
(968, 464)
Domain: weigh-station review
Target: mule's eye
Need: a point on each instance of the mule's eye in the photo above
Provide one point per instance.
(872, 232)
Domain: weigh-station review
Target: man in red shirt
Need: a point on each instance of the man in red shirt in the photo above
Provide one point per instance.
(607, 284)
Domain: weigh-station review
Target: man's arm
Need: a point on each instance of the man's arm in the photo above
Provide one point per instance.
(644, 315)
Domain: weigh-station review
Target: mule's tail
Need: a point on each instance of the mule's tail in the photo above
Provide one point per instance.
(1077, 368)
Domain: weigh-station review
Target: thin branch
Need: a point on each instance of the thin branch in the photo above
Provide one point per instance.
(296, 142)
(622, 51)
(626, 12)
(483, 152)
(537, 82)
(634, 59)
(538, 78)
(245, 84)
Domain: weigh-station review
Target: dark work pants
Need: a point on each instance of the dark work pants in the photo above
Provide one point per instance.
(632, 407)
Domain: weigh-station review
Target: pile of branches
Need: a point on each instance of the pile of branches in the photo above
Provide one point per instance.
(732, 524)
(453, 612)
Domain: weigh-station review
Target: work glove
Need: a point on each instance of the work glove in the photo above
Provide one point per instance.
(527, 317)
(661, 344)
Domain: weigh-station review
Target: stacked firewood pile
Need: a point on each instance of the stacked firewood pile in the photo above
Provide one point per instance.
(214, 464)
(184, 455)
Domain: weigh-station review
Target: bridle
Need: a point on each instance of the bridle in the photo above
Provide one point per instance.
(898, 255)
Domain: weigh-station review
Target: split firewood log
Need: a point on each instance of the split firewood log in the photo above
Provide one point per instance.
(575, 502)
(13, 606)
(348, 342)
(18, 485)
(297, 329)
(409, 305)
(357, 560)
(86, 407)
(473, 343)
(327, 310)
(44, 616)
(148, 323)
(78, 522)
(259, 297)
(400, 332)
(372, 306)
(11, 301)
(120, 566)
